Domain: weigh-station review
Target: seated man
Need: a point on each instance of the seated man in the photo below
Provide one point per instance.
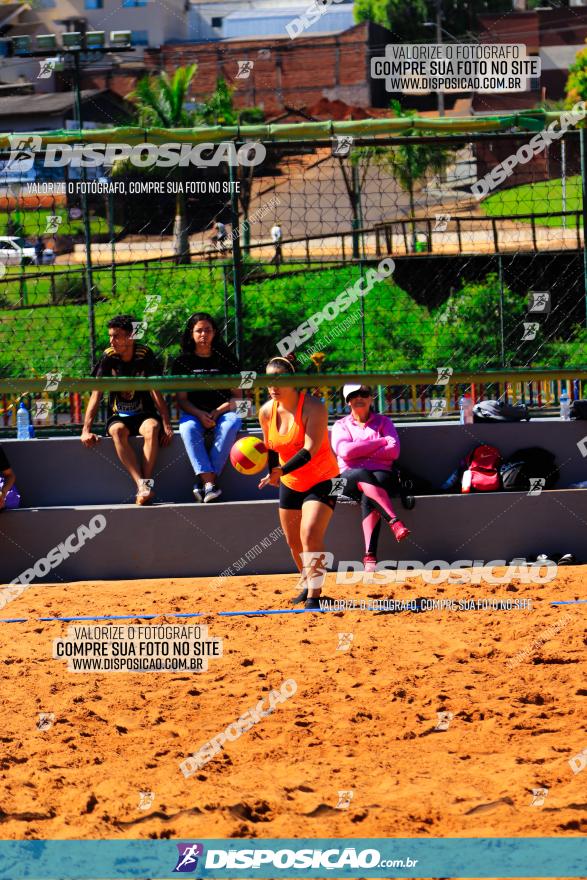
(8, 498)
(131, 413)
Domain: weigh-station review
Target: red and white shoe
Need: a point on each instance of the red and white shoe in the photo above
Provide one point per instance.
(369, 562)
(399, 529)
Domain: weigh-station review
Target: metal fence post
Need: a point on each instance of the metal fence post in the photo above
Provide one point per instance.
(501, 318)
(584, 206)
(236, 265)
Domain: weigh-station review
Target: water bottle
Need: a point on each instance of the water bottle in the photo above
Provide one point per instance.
(467, 481)
(565, 406)
(466, 408)
(23, 421)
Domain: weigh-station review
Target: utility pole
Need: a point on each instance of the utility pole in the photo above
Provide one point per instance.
(439, 94)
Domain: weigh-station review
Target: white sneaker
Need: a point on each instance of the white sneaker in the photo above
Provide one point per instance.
(197, 490)
(211, 492)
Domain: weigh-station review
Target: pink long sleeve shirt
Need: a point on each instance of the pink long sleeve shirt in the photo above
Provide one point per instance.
(374, 446)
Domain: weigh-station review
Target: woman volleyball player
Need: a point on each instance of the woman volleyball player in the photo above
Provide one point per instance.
(302, 464)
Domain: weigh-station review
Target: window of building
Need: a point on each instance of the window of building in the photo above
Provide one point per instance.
(140, 38)
(217, 21)
(94, 4)
(127, 3)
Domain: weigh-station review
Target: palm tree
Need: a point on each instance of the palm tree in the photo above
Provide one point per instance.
(160, 102)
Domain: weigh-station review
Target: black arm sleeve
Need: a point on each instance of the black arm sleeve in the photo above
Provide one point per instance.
(272, 459)
(297, 461)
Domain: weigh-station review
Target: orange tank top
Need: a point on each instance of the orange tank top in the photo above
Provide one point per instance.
(322, 465)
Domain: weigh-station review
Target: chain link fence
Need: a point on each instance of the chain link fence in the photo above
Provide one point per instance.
(479, 283)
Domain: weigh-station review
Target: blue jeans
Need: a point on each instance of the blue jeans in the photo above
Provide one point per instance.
(192, 434)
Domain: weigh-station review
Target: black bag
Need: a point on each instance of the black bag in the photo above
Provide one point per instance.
(578, 409)
(409, 485)
(498, 411)
(526, 465)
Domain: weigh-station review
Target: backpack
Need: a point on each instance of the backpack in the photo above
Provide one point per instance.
(526, 465)
(578, 409)
(498, 411)
(481, 471)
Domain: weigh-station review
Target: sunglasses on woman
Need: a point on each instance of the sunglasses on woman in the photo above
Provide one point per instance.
(361, 393)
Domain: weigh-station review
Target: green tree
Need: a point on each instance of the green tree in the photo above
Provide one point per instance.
(160, 102)
(576, 85)
(406, 19)
(466, 332)
(219, 109)
(409, 164)
(403, 19)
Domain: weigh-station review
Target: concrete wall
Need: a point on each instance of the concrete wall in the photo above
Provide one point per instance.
(64, 486)
(62, 472)
(205, 540)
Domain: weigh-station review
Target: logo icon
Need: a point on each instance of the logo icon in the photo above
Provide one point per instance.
(247, 379)
(138, 329)
(315, 564)
(578, 762)
(153, 301)
(341, 144)
(537, 484)
(530, 330)
(146, 799)
(187, 860)
(244, 69)
(344, 799)
(47, 67)
(538, 796)
(582, 447)
(22, 152)
(345, 641)
(53, 380)
(46, 720)
(444, 374)
(441, 223)
(338, 486)
(437, 408)
(53, 223)
(539, 301)
(242, 407)
(42, 409)
(264, 54)
(444, 719)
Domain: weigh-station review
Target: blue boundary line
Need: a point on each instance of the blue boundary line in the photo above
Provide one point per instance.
(188, 614)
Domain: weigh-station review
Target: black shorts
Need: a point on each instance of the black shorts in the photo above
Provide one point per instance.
(289, 499)
(133, 423)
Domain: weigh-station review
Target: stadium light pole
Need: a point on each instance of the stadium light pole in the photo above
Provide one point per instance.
(74, 44)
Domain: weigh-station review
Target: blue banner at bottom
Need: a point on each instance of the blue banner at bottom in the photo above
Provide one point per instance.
(530, 857)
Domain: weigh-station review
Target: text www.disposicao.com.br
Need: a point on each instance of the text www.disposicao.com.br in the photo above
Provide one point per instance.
(136, 664)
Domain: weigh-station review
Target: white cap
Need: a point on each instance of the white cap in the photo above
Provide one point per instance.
(348, 389)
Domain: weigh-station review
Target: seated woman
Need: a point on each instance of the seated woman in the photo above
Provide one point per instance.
(366, 445)
(9, 497)
(206, 412)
